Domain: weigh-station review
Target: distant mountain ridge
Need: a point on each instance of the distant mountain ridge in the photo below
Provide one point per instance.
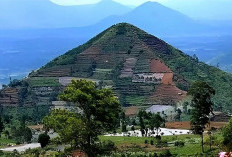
(45, 14)
(157, 19)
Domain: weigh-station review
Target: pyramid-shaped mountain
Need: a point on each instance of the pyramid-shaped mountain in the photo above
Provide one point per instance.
(141, 68)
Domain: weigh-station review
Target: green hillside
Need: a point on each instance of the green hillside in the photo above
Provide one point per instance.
(114, 59)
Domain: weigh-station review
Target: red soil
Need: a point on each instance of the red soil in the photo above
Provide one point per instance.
(186, 125)
(167, 79)
(156, 66)
(131, 111)
(167, 94)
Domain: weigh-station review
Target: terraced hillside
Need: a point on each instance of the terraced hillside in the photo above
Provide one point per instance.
(9, 97)
(123, 55)
(141, 68)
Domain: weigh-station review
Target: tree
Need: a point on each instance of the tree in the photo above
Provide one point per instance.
(201, 103)
(178, 116)
(7, 118)
(133, 128)
(123, 121)
(185, 107)
(99, 112)
(67, 124)
(1, 125)
(27, 134)
(7, 134)
(156, 121)
(134, 122)
(15, 83)
(195, 57)
(149, 120)
(227, 135)
(142, 117)
(43, 140)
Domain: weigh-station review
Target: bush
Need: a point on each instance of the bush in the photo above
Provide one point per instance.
(1, 153)
(43, 140)
(166, 153)
(158, 137)
(107, 147)
(133, 128)
(152, 142)
(179, 143)
(27, 135)
(15, 153)
(146, 141)
(161, 143)
(155, 155)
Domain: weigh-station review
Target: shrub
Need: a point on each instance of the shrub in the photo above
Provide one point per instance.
(166, 153)
(133, 128)
(155, 155)
(1, 153)
(161, 143)
(179, 143)
(146, 141)
(107, 147)
(27, 135)
(17, 142)
(152, 142)
(158, 137)
(43, 140)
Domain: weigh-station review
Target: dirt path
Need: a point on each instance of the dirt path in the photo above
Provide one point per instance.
(22, 147)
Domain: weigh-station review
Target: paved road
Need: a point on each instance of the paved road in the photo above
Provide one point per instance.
(22, 147)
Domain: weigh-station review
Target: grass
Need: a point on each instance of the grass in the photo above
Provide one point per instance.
(192, 145)
(135, 100)
(140, 140)
(103, 70)
(4, 141)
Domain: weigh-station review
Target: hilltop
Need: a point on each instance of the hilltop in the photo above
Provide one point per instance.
(141, 68)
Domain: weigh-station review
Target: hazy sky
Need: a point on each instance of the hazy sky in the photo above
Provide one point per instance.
(80, 2)
(198, 9)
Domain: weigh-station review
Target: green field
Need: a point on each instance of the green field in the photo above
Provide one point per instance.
(43, 81)
(135, 100)
(192, 146)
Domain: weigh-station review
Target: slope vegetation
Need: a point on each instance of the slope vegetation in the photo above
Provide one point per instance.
(137, 66)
